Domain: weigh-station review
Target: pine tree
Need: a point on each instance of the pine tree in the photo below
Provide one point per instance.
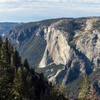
(6, 76)
(0, 47)
(0, 41)
(8, 54)
(26, 64)
(84, 89)
(18, 89)
(3, 54)
(11, 50)
(6, 79)
(17, 59)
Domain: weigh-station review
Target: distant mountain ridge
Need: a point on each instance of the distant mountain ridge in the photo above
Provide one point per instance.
(7, 26)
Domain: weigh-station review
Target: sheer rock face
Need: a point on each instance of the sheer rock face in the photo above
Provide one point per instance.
(73, 43)
(57, 48)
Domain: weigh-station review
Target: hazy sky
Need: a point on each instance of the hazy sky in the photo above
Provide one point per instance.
(33, 10)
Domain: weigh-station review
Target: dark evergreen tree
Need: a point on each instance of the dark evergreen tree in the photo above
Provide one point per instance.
(6, 75)
(18, 88)
(0, 46)
(17, 59)
(11, 50)
(26, 64)
(8, 54)
(84, 88)
(0, 41)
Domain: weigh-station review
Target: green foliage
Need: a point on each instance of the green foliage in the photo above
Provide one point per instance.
(18, 88)
(84, 88)
(26, 64)
(17, 59)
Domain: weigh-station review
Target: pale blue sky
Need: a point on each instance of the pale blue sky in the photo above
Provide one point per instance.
(34, 10)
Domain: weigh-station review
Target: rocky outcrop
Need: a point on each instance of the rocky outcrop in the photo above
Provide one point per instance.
(57, 48)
